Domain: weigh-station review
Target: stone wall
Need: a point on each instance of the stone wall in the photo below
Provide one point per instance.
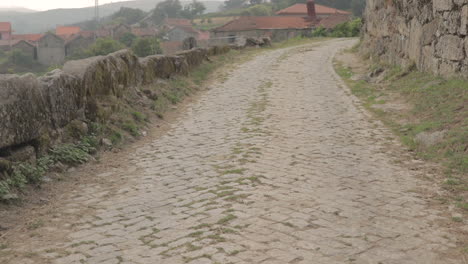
(431, 34)
(36, 108)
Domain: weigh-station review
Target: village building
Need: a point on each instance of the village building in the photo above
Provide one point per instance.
(66, 32)
(5, 30)
(278, 28)
(51, 50)
(180, 33)
(25, 47)
(33, 38)
(300, 10)
(144, 32)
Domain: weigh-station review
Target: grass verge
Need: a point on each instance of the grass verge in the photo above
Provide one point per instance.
(427, 112)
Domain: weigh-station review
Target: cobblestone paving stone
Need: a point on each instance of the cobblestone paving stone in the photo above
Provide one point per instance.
(277, 164)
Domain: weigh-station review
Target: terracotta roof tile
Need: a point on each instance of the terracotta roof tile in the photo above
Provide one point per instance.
(188, 29)
(28, 37)
(13, 42)
(67, 30)
(278, 22)
(143, 32)
(178, 22)
(5, 27)
(301, 9)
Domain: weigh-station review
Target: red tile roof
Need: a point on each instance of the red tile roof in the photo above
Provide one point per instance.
(178, 22)
(28, 37)
(301, 9)
(334, 20)
(63, 31)
(278, 22)
(13, 42)
(5, 27)
(144, 32)
(188, 29)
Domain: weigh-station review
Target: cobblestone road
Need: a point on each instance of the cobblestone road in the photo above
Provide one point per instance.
(276, 164)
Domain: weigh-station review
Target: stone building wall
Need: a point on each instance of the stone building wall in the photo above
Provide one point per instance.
(431, 34)
(51, 50)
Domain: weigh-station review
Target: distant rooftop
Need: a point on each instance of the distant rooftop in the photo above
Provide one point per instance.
(301, 9)
(5, 27)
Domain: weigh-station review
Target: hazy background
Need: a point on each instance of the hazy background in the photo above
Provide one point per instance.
(27, 21)
(51, 4)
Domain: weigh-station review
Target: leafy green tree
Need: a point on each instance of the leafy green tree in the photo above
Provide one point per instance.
(234, 4)
(193, 10)
(127, 39)
(143, 47)
(104, 46)
(128, 15)
(167, 9)
(256, 2)
(259, 10)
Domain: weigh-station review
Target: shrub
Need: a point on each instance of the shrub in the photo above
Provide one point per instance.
(143, 47)
(127, 39)
(103, 46)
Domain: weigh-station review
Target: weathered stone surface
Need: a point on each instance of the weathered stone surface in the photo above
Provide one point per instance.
(427, 32)
(443, 5)
(31, 107)
(450, 47)
(22, 109)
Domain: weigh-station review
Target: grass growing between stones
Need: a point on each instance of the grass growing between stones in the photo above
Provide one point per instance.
(428, 113)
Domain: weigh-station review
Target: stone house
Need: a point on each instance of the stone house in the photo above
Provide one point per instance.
(144, 32)
(26, 47)
(51, 50)
(278, 28)
(180, 33)
(5, 30)
(301, 10)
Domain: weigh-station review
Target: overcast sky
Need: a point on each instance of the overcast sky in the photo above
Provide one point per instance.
(51, 4)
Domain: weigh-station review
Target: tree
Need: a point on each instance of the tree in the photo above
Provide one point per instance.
(193, 10)
(127, 39)
(259, 10)
(256, 2)
(167, 9)
(234, 4)
(128, 15)
(358, 7)
(143, 47)
(103, 46)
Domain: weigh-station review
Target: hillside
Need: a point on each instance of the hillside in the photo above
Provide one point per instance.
(43, 21)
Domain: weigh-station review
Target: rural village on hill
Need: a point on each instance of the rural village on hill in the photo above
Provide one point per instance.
(54, 47)
(234, 132)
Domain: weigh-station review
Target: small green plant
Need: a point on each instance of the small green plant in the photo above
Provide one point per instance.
(116, 137)
(138, 116)
(132, 128)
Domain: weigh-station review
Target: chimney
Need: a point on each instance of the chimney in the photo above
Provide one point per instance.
(311, 10)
